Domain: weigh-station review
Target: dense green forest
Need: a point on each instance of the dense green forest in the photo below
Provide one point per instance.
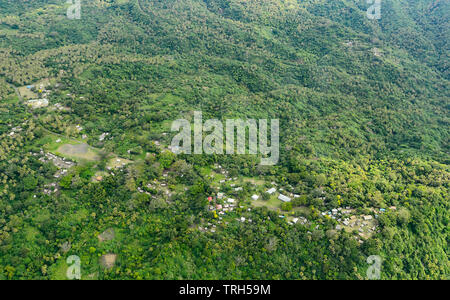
(364, 114)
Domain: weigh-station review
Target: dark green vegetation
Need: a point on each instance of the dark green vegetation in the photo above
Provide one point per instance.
(364, 113)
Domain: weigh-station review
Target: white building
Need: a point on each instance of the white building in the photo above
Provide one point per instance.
(284, 198)
(38, 103)
(271, 191)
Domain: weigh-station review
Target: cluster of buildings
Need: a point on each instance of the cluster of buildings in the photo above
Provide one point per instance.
(365, 225)
(228, 206)
(281, 196)
(60, 107)
(51, 188)
(346, 217)
(337, 213)
(39, 103)
(14, 131)
(300, 220)
(59, 162)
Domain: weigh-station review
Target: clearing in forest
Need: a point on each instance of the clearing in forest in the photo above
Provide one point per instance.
(78, 152)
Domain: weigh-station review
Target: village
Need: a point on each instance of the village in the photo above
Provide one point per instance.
(233, 202)
(226, 205)
(63, 165)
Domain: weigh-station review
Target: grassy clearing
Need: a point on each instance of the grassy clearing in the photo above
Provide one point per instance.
(70, 148)
(273, 203)
(27, 94)
(78, 152)
(51, 144)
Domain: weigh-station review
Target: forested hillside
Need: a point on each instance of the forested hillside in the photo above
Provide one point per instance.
(364, 112)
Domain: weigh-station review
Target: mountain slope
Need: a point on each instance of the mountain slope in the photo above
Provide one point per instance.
(364, 112)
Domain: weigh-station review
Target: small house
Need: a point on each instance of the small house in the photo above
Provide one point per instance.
(284, 198)
(271, 191)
